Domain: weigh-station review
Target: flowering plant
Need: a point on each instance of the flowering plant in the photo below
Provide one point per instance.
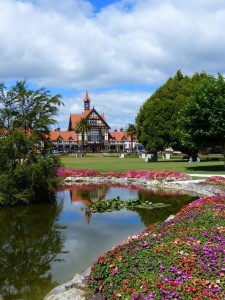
(183, 258)
(216, 180)
(139, 174)
(64, 172)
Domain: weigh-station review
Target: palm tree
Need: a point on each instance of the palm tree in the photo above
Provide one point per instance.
(82, 126)
(132, 132)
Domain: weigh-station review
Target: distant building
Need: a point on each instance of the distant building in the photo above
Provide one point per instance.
(97, 139)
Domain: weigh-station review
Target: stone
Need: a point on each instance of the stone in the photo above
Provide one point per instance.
(71, 294)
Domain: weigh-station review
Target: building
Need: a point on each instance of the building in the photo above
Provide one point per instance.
(98, 139)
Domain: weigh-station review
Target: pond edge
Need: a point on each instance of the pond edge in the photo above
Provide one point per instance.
(76, 288)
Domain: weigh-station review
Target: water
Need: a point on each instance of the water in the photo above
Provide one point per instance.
(44, 245)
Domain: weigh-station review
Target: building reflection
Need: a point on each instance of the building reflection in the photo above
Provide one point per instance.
(87, 194)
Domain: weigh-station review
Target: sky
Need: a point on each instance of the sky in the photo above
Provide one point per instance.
(119, 51)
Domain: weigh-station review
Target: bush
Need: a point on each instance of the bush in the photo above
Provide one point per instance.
(35, 180)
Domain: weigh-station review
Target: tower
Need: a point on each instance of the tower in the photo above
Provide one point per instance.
(86, 101)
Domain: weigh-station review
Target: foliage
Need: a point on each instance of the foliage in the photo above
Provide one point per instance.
(202, 119)
(132, 132)
(25, 120)
(156, 121)
(30, 110)
(179, 259)
(82, 126)
(31, 181)
(117, 204)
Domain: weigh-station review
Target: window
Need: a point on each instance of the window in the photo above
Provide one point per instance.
(93, 137)
(93, 121)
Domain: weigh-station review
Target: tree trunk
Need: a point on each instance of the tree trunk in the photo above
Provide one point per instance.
(83, 142)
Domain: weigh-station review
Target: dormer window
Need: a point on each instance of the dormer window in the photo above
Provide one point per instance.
(60, 141)
(70, 140)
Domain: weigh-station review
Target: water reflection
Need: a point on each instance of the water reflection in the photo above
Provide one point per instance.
(175, 200)
(87, 194)
(29, 243)
(44, 245)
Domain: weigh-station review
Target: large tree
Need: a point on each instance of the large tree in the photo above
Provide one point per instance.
(202, 119)
(156, 121)
(25, 119)
(82, 126)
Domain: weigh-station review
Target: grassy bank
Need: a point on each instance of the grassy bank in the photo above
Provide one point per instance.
(106, 164)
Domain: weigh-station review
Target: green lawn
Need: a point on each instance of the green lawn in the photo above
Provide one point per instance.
(105, 164)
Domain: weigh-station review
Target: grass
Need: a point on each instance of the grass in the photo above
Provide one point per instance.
(107, 164)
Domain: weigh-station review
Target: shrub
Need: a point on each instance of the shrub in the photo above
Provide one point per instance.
(29, 182)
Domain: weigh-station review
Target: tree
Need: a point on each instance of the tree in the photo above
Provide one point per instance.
(82, 126)
(25, 120)
(156, 122)
(30, 110)
(132, 132)
(202, 119)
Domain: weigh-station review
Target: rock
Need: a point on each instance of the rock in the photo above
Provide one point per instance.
(71, 290)
(71, 294)
(171, 217)
(75, 289)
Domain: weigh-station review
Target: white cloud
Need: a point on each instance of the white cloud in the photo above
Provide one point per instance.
(119, 107)
(65, 44)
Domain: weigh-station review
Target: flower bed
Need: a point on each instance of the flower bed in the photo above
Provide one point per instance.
(218, 180)
(135, 174)
(183, 258)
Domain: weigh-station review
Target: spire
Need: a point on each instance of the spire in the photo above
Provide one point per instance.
(87, 215)
(86, 101)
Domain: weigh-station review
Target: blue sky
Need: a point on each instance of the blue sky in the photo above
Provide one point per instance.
(98, 4)
(119, 51)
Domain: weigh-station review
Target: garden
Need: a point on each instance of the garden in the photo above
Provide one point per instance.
(182, 258)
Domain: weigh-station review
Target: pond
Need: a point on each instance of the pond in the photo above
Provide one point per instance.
(44, 245)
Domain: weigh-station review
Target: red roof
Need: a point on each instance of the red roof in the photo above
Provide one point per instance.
(65, 135)
(119, 135)
(74, 118)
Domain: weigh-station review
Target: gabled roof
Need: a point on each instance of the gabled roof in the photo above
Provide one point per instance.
(119, 135)
(74, 118)
(65, 135)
